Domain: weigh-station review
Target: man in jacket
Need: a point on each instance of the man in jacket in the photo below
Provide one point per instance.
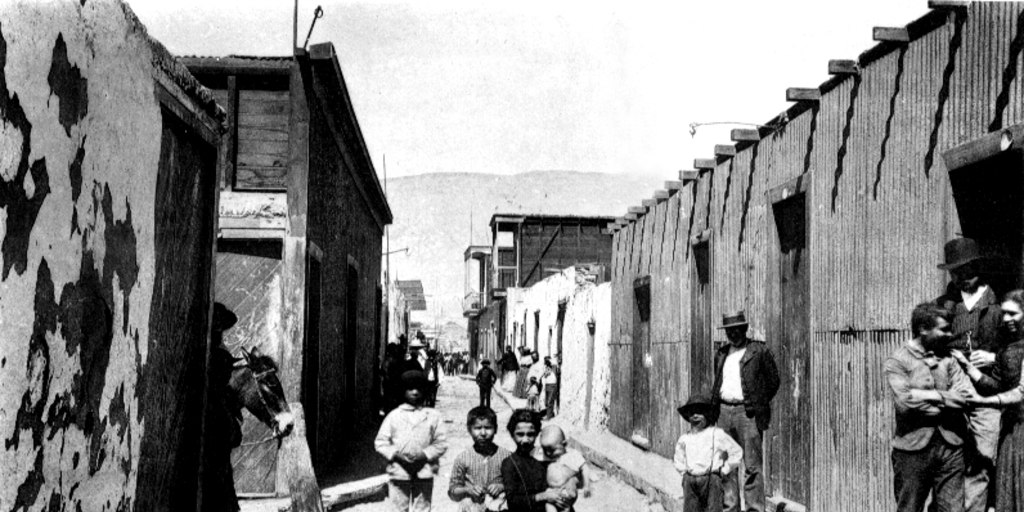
(930, 393)
(746, 380)
(975, 327)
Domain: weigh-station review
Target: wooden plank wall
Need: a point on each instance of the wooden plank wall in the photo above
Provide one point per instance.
(248, 283)
(880, 211)
(571, 243)
(262, 140)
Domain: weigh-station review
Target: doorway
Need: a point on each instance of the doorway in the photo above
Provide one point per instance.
(311, 348)
(642, 360)
(702, 349)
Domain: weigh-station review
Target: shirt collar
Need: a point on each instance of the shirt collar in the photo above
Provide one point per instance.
(971, 300)
(918, 352)
(407, 407)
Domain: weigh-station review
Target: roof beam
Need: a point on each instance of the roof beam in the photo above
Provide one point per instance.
(745, 134)
(690, 175)
(803, 94)
(637, 210)
(725, 150)
(661, 194)
(843, 67)
(948, 4)
(704, 163)
(631, 216)
(674, 185)
(891, 34)
(649, 203)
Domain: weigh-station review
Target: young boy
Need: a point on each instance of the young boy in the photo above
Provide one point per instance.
(704, 456)
(533, 395)
(565, 468)
(476, 473)
(412, 439)
(485, 379)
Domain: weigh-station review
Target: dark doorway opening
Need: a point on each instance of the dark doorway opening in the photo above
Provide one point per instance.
(311, 352)
(702, 349)
(351, 331)
(641, 360)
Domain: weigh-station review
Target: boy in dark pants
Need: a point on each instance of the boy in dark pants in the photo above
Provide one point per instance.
(485, 378)
(704, 457)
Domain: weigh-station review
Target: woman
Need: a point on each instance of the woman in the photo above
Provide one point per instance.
(525, 477)
(1005, 390)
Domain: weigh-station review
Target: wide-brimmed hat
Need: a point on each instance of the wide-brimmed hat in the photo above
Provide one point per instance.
(414, 379)
(417, 343)
(959, 252)
(223, 318)
(734, 320)
(699, 403)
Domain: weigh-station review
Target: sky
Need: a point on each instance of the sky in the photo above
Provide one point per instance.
(509, 87)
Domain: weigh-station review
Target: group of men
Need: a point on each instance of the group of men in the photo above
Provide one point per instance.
(943, 444)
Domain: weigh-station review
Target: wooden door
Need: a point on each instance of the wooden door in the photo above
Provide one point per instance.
(642, 358)
(311, 351)
(788, 440)
(702, 349)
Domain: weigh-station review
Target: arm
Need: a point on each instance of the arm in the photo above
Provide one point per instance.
(1010, 397)
(680, 458)
(734, 454)
(771, 374)
(459, 485)
(438, 439)
(904, 397)
(384, 442)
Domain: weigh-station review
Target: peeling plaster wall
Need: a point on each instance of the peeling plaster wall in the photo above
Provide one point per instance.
(80, 143)
(581, 352)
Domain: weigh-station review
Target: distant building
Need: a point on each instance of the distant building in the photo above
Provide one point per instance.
(524, 249)
(299, 248)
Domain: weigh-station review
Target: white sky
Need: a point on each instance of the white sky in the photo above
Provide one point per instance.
(547, 85)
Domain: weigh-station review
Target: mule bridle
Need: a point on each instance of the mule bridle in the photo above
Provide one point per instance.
(259, 377)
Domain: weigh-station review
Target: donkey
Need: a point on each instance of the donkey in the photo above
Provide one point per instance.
(254, 385)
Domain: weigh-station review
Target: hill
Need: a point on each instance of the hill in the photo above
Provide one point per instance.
(432, 218)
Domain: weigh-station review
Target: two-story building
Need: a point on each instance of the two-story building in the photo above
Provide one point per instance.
(524, 250)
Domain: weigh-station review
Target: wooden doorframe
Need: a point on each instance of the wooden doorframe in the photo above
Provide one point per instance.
(792, 356)
(701, 371)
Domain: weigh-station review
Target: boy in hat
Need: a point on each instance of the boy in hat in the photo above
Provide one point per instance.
(704, 456)
(485, 379)
(412, 439)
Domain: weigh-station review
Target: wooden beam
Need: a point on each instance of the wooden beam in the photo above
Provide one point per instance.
(891, 34)
(674, 185)
(745, 134)
(661, 194)
(649, 203)
(621, 221)
(638, 210)
(689, 175)
(803, 94)
(230, 140)
(843, 67)
(948, 4)
(704, 163)
(631, 216)
(725, 150)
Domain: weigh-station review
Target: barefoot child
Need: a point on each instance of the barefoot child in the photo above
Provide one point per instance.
(412, 439)
(704, 456)
(476, 473)
(565, 471)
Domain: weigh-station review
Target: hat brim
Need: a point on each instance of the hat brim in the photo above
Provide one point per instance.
(737, 324)
(958, 264)
(688, 409)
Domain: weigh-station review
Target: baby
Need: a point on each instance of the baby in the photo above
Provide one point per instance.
(565, 472)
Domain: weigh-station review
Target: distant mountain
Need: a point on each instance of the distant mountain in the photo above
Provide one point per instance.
(432, 218)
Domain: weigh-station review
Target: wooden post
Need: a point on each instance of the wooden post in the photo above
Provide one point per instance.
(295, 462)
(639, 210)
(843, 67)
(704, 163)
(802, 94)
(745, 134)
(891, 34)
(725, 150)
(230, 143)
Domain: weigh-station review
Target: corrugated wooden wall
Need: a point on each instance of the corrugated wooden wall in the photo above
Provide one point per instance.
(880, 209)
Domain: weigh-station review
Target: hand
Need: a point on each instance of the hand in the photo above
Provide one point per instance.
(475, 491)
(417, 456)
(960, 357)
(495, 489)
(726, 470)
(982, 358)
(554, 497)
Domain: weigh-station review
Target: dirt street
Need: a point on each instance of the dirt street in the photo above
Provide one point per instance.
(455, 399)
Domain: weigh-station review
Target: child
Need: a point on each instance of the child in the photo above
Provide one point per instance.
(485, 378)
(565, 471)
(533, 395)
(704, 457)
(476, 473)
(412, 439)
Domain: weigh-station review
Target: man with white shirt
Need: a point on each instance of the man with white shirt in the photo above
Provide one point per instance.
(976, 317)
(746, 380)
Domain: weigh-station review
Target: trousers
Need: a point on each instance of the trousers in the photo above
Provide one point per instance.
(410, 495)
(937, 469)
(743, 429)
(702, 493)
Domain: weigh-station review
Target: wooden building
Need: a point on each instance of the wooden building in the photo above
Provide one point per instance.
(299, 253)
(524, 249)
(108, 198)
(826, 227)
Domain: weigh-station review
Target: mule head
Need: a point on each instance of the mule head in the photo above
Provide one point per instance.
(261, 392)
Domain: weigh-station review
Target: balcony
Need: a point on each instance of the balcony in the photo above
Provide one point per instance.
(473, 303)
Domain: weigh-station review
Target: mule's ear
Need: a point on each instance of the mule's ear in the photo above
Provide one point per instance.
(245, 354)
(255, 352)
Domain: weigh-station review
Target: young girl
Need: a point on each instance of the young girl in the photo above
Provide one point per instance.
(525, 477)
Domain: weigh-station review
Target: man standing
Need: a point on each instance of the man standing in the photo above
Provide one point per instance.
(929, 393)
(746, 380)
(975, 329)
(550, 381)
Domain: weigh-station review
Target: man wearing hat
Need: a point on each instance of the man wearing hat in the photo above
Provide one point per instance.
(976, 317)
(746, 380)
(224, 428)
